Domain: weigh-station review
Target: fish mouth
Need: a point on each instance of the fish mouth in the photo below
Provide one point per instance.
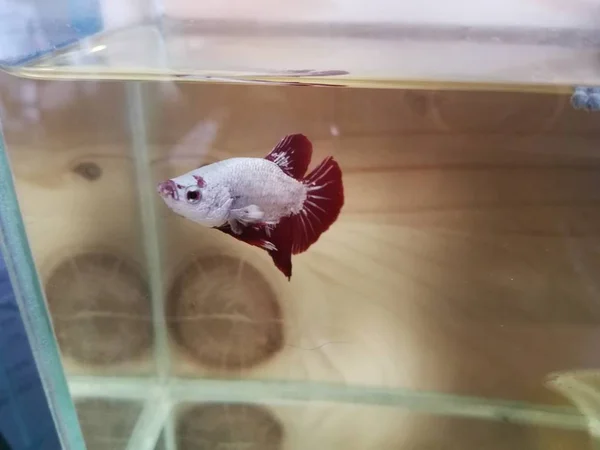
(168, 189)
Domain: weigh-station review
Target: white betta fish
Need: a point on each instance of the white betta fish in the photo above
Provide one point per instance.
(266, 202)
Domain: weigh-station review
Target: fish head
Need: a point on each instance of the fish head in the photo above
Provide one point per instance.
(189, 196)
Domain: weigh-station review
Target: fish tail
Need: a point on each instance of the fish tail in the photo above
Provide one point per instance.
(296, 233)
(324, 201)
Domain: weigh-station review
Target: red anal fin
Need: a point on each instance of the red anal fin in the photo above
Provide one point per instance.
(277, 241)
(322, 205)
(282, 238)
(250, 235)
(292, 154)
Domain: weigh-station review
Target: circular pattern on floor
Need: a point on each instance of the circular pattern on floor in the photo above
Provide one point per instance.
(219, 426)
(224, 314)
(100, 308)
(107, 424)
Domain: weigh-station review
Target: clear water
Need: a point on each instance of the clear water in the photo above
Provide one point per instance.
(459, 279)
(376, 55)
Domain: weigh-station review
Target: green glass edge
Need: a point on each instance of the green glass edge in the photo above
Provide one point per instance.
(32, 306)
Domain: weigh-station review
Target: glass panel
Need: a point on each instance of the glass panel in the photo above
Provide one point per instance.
(462, 261)
(459, 275)
(530, 44)
(29, 298)
(30, 29)
(160, 445)
(331, 426)
(91, 262)
(25, 419)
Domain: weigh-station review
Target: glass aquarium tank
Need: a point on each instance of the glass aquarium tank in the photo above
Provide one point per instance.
(455, 302)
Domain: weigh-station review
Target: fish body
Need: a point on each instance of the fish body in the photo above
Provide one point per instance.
(236, 183)
(266, 202)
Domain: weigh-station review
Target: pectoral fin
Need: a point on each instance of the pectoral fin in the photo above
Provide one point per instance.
(235, 226)
(247, 215)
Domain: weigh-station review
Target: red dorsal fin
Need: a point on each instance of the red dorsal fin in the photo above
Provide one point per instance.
(322, 205)
(292, 154)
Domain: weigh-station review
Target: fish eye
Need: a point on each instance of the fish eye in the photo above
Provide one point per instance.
(192, 194)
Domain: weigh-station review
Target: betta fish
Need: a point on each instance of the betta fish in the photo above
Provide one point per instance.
(268, 202)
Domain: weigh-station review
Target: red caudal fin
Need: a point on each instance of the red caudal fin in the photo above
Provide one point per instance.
(292, 154)
(322, 206)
